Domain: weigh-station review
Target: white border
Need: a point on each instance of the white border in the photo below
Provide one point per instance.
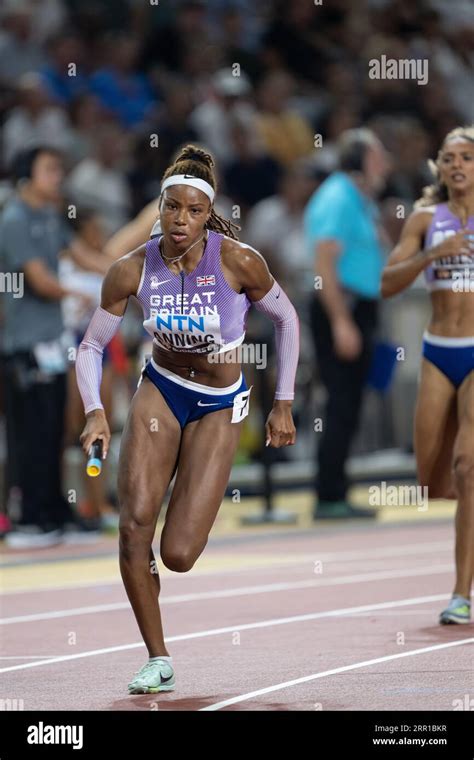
(440, 340)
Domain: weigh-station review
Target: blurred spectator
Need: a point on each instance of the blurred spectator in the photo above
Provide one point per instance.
(86, 117)
(171, 130)
(344, 84)
(231, 33)
(34, 121)
(455, 63)
(98, 182)
(63, 74)
(341, 227)
(240, 22)
(48, 17)
(335, 121)
(19, 51)
(393, 95)
(412, 148)
(89, 230)
(291, 40)
(214, 118)
(120, 88)
(275, 227)
(252, 174)
(95, 18)
(33, 233)
(166, 44)
(285, 134)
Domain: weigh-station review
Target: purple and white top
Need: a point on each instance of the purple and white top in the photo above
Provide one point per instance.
(451, 272)
(197, 312)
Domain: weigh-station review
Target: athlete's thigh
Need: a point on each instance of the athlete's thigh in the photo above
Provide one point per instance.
(464, 444)
(435, 425)
(148, 454)
(205, 460)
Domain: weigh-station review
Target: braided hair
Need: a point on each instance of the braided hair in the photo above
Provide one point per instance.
(438, 192)
(195, 161)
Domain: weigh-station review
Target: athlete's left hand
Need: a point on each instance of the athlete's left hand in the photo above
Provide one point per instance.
(279, 428)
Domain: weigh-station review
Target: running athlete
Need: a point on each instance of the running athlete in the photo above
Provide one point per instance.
(195, 283)
(438, 239)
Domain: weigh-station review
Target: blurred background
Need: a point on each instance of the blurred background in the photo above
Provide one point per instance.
(119, 85)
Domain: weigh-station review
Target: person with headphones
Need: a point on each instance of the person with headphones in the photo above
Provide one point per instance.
(341, 228)
(33, 231)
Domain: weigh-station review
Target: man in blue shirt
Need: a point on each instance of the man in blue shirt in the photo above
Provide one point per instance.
(341, 228)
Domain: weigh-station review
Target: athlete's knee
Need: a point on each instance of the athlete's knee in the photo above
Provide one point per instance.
(135, 535)
(464, 471)
(180, 559)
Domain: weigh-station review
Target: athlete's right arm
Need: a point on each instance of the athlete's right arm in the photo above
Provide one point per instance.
(408, 258)
(121, 281)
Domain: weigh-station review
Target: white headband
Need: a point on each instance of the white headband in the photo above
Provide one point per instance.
(188, 179)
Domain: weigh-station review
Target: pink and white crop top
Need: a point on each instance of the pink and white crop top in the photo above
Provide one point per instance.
(197, 312)
(444, 273)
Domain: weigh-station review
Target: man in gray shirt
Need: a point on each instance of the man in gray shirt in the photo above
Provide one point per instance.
(32, 234)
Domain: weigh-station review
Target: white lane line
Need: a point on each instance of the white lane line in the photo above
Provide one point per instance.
(26, 656)
(375, 553)
(340, 580)
(333, 672)
(236, 627)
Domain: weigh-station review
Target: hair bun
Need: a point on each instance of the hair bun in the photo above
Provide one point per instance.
(192, 153)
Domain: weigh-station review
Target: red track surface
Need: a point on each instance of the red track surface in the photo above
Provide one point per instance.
(362, 567)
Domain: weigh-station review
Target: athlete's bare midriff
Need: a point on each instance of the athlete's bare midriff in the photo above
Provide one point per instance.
(206, 372)
(453, 314)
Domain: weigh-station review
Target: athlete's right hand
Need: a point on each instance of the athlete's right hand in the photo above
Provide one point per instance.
(96, 428)
(454, 245)
(347, 339)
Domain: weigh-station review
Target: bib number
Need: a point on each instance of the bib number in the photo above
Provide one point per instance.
(241, 405)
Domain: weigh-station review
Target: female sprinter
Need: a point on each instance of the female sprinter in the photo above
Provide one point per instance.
(438, 238)
(195, 283)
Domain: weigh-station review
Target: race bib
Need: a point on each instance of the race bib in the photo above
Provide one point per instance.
(186, 332)
(241, 405)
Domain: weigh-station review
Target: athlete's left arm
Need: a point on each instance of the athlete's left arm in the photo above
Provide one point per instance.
(251, 270)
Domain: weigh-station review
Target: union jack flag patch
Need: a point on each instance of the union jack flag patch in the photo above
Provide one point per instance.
(208, 279)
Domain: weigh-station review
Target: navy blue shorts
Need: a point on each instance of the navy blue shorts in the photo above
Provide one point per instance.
(454, 357)
(189, 403)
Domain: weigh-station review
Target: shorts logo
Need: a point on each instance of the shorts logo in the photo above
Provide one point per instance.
(209, 279)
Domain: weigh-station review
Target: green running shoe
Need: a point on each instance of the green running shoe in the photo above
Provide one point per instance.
(157, 675)
(457, 611)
